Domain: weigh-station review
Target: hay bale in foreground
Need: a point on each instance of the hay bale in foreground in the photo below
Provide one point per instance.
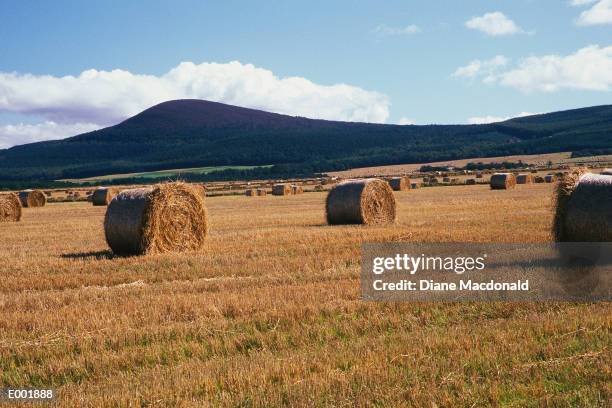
(549, 178)
(502, 181)
(103, 195)
(10, 207)
(32, 198)
(470, 182)
(281, 189)
(583, 208)
(524, 179)
(261, 192)
(366, 201)
(399, 183)
(295, 189)
(169, 217)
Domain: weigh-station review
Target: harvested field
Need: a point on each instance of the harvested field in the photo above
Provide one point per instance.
(269, 314)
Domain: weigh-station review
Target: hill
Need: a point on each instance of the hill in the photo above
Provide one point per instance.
(196, 133)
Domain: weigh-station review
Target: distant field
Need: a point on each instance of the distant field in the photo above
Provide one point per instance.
(538, 160)
(270, 314)
(163, 174)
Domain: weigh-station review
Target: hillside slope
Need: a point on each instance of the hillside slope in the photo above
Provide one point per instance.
(196, 133)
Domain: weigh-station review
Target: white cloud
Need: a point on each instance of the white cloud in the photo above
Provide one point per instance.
(479, 68)
(476, 120)
(494, 24)
(48, 130)
(107, 97)
(599, 13)
(406, 121)
(578, 3)
(386, 31)
(589, 68)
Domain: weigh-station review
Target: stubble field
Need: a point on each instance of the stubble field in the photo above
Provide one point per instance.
(269, 314)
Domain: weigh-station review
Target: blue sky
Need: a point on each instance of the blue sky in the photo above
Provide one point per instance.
(403, 61)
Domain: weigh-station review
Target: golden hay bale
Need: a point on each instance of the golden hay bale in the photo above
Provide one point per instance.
(583, 208)
(250, 192)
(607, 172)
(470, 182)
(399, 183)
(103, 195)
(538, 179)
(169, 217)
(261, 192)
(550, 178)
(502, 181)
(524, 179)
(295, 189)
(367, 201)
(281, 189)
(32, 198)
(10, 207)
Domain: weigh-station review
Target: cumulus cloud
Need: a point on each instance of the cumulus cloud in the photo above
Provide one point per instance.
(589, 68)
(386, 31)
(406, 121)
(107, 97)
(479, 68)
(48, 130)
(599, 13)
(478, 120)
(494, 24)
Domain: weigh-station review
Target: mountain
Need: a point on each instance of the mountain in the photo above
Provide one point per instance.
(197, 133)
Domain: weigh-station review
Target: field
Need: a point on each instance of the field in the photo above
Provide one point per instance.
(161, 174)
(270, 313)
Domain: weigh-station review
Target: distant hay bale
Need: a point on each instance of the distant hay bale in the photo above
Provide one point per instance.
(550, 178)
(103, 195)
(583, 208)
(502, 181)
(10, 207)
(399, 183)
(250, 192)
(281, 189)
(538, 179)
(169, 217)
(524, 179)
(32, 198)
(261, 192)
(607, 172)
(295, 189)
(433, 180)
(366, 201)
(470, 182)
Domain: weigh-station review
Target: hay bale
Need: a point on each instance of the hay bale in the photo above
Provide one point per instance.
(538, 179)
(366, 201)
(524, 179)
(169, 217)
(550, 178)
(502, 181)
(250, 192)
(103, 195)
(281, 189)
(32, 198)
(261, 192)
(583, 208)
(10, 207)
(399, 183)
(295, 189)
(607, 172)
(470, 182)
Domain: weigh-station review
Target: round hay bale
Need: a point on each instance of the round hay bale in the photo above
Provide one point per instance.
(261, 192)
(10, 207)
(583, 208)
(281, 189)
(32, 198)
(502, 181)
(367, 201)
(470, 182)
(103, 195)
(399, 183)
(169, 217)
(250, 192)
(524, 179)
